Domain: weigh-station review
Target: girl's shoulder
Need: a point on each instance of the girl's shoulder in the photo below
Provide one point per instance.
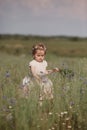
(45, 62)
(33, 62)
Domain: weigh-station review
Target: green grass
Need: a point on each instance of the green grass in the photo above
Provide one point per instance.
(68, 109)
(60, 46)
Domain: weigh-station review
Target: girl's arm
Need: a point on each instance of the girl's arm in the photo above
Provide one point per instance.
(33, 71)
(53, 70)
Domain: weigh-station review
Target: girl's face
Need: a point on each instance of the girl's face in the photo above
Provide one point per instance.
(39, 55)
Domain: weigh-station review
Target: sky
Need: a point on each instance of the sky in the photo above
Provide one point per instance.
(44, 17)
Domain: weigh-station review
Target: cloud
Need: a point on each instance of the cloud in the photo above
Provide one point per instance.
(57, 8)
(75, 9)
(38, 15)
(70, 8)
(37, 4)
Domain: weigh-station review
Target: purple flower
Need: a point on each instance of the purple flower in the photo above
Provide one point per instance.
(7, 74)
(12, 101)
(4, 97)
(72, 103)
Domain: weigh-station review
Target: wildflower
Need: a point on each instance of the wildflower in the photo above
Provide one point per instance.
(4, 97)
(5, 109)
(69, 126)
(62, 114)
(9, 117)
(41, 98)
(10, 107)
(64, 123)
(85, 82)
(67, 118)
(12, 101)
(70, 107)
(81, 78)
(65, 112)
(50, 113)
(53, 128)
(40, 103)
(67, 73)
(64, 88)
(71, 103)
(41, 119)
(7, 74)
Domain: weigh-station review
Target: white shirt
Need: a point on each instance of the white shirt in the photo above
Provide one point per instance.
(40, 66)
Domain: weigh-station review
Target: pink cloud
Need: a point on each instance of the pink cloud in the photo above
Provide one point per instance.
(75, 9)
(69, 8)
(38, 6)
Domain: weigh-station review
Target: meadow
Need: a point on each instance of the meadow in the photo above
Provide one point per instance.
(68, 111)
(56, 45)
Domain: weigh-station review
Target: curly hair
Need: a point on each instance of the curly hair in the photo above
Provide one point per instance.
(39, 46)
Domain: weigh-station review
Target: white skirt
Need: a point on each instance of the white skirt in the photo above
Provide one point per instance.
(46, 86)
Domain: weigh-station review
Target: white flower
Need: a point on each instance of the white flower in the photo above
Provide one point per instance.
(50, 113)
(10, 107)
(69, 126)
(53, 128)
(65, 112)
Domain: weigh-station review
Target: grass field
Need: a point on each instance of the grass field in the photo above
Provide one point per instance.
(69, 108)
(68, 111)
(59, 46)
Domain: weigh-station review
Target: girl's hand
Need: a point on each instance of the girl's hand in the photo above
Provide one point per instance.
(56, 70)
(53, 70)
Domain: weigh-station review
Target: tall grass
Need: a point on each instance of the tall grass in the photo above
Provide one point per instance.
(68, 111)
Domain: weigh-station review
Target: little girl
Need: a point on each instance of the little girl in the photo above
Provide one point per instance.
(39, 72)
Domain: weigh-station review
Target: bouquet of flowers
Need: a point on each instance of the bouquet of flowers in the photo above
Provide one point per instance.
(66, 73)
